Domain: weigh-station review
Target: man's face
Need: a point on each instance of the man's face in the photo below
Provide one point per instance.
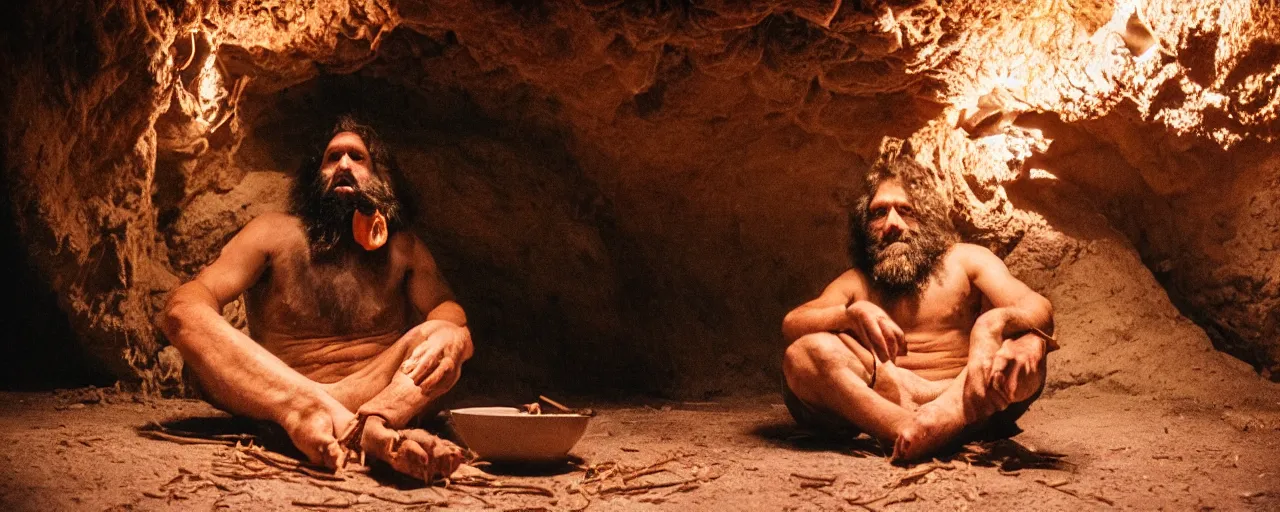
(902, 247)
(345, 169)
(890, 216)
(347, 181)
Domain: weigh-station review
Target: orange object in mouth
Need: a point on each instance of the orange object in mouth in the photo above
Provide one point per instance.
(370, 231)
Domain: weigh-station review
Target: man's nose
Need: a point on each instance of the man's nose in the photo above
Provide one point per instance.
(344, 163)
(894, 223)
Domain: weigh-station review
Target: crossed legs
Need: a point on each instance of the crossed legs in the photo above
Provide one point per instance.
(835, 380)
(368, 411)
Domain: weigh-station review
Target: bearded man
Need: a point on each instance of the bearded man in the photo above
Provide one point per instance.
(925, 339)
(354, 331)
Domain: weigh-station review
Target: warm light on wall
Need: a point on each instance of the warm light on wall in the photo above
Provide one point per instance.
(209, 88)
(1138, 38)
(1041, 174)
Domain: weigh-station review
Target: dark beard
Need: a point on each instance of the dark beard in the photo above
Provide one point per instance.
(904, 269)
(326, 216)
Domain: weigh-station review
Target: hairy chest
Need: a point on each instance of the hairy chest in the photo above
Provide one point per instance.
(343, 298)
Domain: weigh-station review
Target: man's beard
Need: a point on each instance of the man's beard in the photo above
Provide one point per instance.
(904, 268)
(326, 215)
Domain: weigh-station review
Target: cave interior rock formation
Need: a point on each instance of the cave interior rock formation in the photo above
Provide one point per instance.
(629, 195)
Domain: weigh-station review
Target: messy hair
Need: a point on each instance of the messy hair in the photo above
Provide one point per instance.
(928, 203)
(303, 203)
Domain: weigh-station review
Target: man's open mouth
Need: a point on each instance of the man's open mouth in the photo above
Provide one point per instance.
(343, 184)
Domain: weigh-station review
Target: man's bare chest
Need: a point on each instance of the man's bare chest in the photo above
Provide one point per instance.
(948, 303)
(298, 298)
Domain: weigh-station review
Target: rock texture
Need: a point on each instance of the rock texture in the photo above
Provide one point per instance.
(632, 194)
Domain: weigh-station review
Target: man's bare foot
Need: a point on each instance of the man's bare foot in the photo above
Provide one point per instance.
(932, 426)
(413, 452)
(315, 431)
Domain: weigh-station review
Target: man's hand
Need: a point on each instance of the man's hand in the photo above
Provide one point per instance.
(1015, 368)
(877, 332)
(315, 430)
(437, 361)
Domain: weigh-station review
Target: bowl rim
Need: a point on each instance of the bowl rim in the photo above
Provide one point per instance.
(508, 412)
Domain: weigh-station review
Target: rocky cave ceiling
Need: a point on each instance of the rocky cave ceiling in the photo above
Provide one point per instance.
(632, 194)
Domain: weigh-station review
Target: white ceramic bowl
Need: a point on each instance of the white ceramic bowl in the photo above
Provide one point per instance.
(504, 434)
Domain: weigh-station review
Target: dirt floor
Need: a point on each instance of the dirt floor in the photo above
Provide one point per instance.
(81, 450)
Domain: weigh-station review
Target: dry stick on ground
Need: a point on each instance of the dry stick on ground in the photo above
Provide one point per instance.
(648, 469)
(321, 504)
(863, 502)
(507, 487)
(629, 489)
(164, 436)
(173, 432)
(904, 499)
(1059, 488)
(824, 479)
(287, 463)
(917, 473)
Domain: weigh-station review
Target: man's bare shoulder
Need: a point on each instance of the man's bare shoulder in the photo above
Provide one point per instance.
(972, 254)
(272, 230)
(852, 283)
(974, 259)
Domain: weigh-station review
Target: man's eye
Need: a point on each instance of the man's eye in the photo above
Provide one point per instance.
(879, 213)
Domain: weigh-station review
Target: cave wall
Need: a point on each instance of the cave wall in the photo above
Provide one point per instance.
(630, 195)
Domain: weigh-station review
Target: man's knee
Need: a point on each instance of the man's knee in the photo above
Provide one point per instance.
(815, 357)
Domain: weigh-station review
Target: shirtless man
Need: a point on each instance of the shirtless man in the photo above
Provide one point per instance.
(924, 338)
(354, 330)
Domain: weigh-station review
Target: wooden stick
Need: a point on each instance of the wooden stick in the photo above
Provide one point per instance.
(645, 487)
(291, 465)
(536, 489)
(321, 504)
(163, 436)
(827, 479)
(555, 404)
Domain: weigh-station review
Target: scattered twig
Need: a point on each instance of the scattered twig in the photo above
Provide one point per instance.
(827, 479)
(628, 489)
(684, 488)
(507, 487)
(903, 499)
(1059, 488)
(288, 464)
(164, 436)
(648, 469)
(322, 504)
(863, 502)
(917, 473)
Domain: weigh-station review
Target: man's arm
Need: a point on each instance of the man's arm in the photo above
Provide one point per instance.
(233, 369)
(843, 306)
(436, 363)
(1015, 311)
(827, 312)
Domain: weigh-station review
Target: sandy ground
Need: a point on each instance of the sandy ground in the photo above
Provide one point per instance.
(81, 451)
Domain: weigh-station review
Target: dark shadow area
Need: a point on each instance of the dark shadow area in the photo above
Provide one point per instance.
(37, 344)
(789, 435)
(532, 469)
